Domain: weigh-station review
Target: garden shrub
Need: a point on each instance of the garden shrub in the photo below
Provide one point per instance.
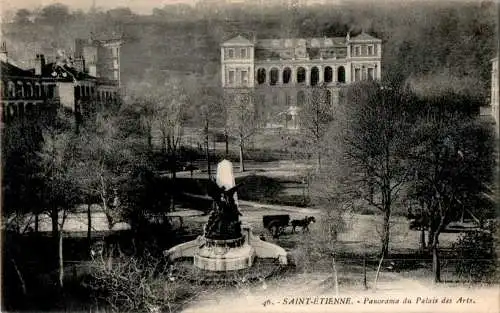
(476, 256)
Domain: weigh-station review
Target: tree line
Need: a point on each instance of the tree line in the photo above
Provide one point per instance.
(392, 149)
(419, 39)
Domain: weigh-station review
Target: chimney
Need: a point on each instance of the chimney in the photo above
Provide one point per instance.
(3, 52)
(39, 64)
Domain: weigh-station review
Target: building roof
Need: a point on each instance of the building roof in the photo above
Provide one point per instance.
(65, 72)
(8, 69)
(285, 43)
(290, 43)
(238, 41)
(364, 37)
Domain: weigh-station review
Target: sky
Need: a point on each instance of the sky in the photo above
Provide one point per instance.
(139, 6)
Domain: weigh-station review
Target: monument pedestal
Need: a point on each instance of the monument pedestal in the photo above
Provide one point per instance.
(227, 255)
(224, 258)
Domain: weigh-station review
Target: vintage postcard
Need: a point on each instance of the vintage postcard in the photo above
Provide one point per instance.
(250, 156)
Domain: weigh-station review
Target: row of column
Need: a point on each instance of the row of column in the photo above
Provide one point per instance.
(20, 90)
(275, 76)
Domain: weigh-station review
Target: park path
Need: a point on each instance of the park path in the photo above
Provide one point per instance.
(251, 299)
(278, 207)
(390, 286)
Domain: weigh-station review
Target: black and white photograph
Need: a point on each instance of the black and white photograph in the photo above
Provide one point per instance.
(168, 156)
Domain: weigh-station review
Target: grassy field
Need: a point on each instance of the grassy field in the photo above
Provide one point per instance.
(407, 276)
(362, 235)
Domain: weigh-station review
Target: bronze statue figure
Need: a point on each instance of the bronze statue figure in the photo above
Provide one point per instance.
(223, 223)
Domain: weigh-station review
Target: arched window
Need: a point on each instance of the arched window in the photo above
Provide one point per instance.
(314, 76)
(20, 89)
(38, 90)
(287, 74)
(3, 92)
(273, 76)
(261, 76)
(341, 74)
(328, 75)
(29, 90)
(301, 98)
(301, 75)
(11, 89)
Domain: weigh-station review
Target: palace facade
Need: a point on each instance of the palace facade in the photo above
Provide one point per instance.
(282, 73)
(77, 83)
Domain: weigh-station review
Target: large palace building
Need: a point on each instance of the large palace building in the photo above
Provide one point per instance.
(282, 73)
(77, 83)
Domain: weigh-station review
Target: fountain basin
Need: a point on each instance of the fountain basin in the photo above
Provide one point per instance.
(224, 258)
(227, 255)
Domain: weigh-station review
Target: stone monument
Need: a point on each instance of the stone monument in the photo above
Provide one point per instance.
(226, 244)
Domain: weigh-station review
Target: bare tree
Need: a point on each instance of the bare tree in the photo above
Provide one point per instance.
(60, 194)
(163, 108)
(375, 146)
(241, 119)
(453, 162)
(209, 113)
(315, 117)
(133, 284)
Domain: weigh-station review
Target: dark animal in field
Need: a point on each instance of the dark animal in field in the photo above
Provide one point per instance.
(304, 223)
(276, 223)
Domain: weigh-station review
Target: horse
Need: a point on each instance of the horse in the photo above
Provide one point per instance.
(304, 223)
